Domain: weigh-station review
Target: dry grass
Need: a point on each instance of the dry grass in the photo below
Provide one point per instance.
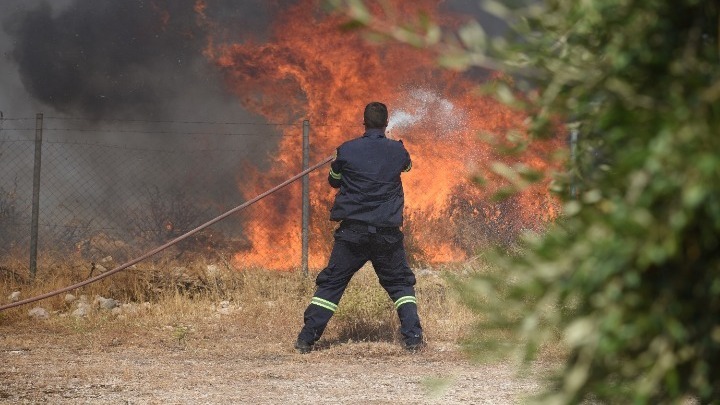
(187, 298)
(199, 336)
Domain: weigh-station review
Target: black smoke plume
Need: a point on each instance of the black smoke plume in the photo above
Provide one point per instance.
(100, 58)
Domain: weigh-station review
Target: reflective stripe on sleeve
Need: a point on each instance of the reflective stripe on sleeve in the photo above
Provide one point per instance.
(323, 303)
(404, 300)
(409, 166)
(336, 176)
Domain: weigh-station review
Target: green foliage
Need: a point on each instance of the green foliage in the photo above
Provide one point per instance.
(629, 278)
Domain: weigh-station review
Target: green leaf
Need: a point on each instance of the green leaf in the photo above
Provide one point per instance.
(358, 11)
(455, 61)
(473, 36)
(496, 8)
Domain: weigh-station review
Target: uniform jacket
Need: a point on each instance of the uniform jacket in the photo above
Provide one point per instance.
(367, 172)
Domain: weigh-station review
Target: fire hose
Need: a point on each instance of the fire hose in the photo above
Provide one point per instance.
(170, 243)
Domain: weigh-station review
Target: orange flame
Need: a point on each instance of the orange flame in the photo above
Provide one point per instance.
(311, 69)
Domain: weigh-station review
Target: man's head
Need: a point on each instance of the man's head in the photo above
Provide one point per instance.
(376, 115)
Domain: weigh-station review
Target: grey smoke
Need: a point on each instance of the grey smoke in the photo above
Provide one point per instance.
(492, 25)
(109, 58)
(100, 58)
(138, 62)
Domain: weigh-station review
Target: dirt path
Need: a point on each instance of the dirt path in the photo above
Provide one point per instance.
(155, 366)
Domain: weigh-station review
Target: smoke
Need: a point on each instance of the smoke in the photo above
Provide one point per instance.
(131, 58)
(138, 62)
(143, 60)
(100, 58)
(492, 25)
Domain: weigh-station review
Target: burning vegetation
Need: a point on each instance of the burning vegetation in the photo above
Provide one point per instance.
(286, 61)
(309, 68)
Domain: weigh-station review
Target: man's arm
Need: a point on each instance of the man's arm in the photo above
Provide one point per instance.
(408, 164)
(335, 175)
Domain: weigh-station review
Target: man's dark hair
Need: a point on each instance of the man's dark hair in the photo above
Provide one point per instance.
(376, 115)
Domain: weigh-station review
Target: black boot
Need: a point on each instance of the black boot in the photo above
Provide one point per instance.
(303, 347)
(414, 344)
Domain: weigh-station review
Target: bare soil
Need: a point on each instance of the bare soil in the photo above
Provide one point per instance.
(75, 362)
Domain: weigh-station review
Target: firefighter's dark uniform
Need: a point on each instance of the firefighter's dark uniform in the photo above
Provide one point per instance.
(369, 204)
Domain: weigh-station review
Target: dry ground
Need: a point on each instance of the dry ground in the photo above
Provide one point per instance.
(191, 349)
(222, 362)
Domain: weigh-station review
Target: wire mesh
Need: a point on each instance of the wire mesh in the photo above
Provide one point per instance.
(16, 174)
(113, 190)
(110, 191)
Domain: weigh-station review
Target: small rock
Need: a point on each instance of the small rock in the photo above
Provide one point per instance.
(224, 304)
(110, 304)
(106, 259)
(106, 303)
(129, 308)
(39, 313)
(69, 298)
(14, 296)
(83, 309)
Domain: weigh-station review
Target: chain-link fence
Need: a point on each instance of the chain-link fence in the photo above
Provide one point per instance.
(112, 190)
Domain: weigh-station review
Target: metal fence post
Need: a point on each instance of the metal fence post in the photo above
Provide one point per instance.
(305, 197)
(574, 133)
(36, 195)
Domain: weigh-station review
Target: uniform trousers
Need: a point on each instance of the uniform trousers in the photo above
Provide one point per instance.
(356, 244)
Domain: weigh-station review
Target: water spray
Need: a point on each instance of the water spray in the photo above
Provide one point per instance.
(421, 104)
(170, 243)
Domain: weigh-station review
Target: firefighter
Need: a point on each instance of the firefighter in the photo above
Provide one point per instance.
(369, 206)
